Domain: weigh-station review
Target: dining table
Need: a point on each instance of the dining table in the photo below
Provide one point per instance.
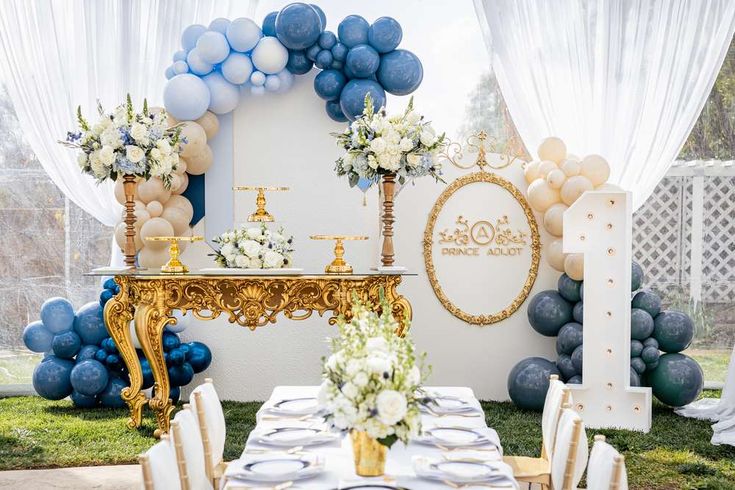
(336, 454)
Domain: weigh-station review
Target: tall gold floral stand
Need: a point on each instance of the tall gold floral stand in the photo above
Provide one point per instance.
(148, 297)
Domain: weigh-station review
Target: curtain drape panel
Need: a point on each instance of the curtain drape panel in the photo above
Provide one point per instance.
(626, 79)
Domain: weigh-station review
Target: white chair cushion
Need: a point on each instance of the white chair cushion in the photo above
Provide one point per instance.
(550, 417)
(162, 461)
(561, 450)
(214, 418)
(191, 440)
(600, 468)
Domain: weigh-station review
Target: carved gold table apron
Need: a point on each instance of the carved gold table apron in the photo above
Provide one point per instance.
(251, 301)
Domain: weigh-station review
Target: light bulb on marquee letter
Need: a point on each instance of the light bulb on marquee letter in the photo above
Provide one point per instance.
(598, 225)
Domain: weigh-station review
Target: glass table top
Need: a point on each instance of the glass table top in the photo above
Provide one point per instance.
(213, 272)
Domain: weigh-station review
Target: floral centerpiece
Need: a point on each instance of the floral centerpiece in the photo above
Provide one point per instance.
(254, 247)
(372, 383)
(127, 143)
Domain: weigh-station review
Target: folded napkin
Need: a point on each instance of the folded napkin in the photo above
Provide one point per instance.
(489, 438)
(238, 469)
(263, 437)
(501, 474)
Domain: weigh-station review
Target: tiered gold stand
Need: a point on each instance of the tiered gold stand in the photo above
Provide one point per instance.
(174, 265)
(338, 265)
(260, 215)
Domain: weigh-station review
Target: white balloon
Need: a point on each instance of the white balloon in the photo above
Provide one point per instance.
(570, 167)
(554, 219)
(554, 254)
(556, 178)
(183, 320)
(553, 149)
(575, 187)
(531, 171)
(270, 56)
(546, 166)
(596, 169)
(541, 196)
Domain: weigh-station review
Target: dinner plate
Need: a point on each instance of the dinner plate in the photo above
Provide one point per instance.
(278, 468)
(461, 472)
(453, 437)
(466, 470)
(295, 436)
(447, 405)
(295, 407)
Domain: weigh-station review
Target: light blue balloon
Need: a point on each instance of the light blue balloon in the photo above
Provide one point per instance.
(385, 34)
(257, 90)
(169, 73)
(51, 378)
(362, 61)
(286, 78)
(196, 63)
(219, 24)
(57, 315)
(89, 323)
(224, 96)
(243, 34)
(298, 25)
(213, 47)
(257, 78)
(186, 97)
(237, 68)
(353, 30)
(272, 83)
(180, 67)
(66, 344)
(37, 338)
(400, 72)
(180, 55)
(352, 99)
(190, 36)
(89, 377)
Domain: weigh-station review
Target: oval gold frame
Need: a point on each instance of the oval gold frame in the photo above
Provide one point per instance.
(489, 178)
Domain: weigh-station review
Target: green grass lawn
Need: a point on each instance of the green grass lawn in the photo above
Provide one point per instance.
(35, 433)
(714, 362)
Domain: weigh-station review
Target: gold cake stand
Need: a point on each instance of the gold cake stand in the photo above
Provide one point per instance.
(260, 215)
(174, 265)
(338, 265)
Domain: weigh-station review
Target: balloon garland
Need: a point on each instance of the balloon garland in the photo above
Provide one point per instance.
(82, 361)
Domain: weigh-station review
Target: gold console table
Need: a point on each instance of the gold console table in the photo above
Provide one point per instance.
(148, 297)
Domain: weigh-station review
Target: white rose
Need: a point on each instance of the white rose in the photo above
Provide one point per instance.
(392, 407)
(250, 248)
(227, 250)
(350, 391)
(134, 153)
(413, 118)
(272, 260)
(242, 261)
(156, 154)
(138, 132)
(413, 159)
(376, 344)
(378, 364)
(111, 137)
(360, 379)
(428, 136)
(253, 233)
(406, 144)
(164, 146)
(107, 155)
(377, 145)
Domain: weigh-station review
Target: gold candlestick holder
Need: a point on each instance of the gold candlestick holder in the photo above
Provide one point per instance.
(260, 215)
(338, 265)
(174, 265)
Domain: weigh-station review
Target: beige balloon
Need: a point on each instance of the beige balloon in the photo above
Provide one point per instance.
(153, 190)
(554, 254)
(574, 266)
(120, 236)
(183, 245)
(154, 208)
(531, 171)
(209, 123)
(200, 162)
(556, 178)
(182, 203)
(151, 258)
(552, 148)
(570, 167)
(181, 166)
(183, 184)
(541, 195)
(141, 216)
(575, 187)
(171, 120)
(545, 167)
(595, 168)
(120, 191)
(554, 219)
(195, 136)
(177, 218)
(156, 227)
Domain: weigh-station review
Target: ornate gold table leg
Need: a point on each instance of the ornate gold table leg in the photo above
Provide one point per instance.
(118, 313)
(150, 320)
(400, 306)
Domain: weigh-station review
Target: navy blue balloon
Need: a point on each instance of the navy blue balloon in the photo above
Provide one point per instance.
(565, 366)
(89, 377)
(578, 359)
(66, 345)
(324, 59)
(636, 347)
(569, 288)
(570, 337)
(353, 30)
(362, 60)
(113, 361)
(145, 368)
(650, 354)
(174, 393)
(400, 72)
(329, 84)
(673, 330)
(581, 291)
(110, 396)
(105, 296)
(635, 379)
(51, 378)
(200, 357)
(180, 375)
(327, 40)
(269, 24)
(298, 63)
(352, 99)
(337, 65)
(385, 34)
(637, 276)
(37, 337)
(83, 401)
(339, 51)
(650, 367)
(650, 342)
(170, 341)
(677, 381)
(575, 380)
(322, 15)
(57, 315)
(334, 111)
(109, 345)
(548, 311)
(578, 312)
(638, 365)
(109, 284)
(100, 355)
(528, 382)
(641, 324)
(298, 26)
(89, 323)
(176, 357)
(85, 353)
(313, 51)
(648, 301)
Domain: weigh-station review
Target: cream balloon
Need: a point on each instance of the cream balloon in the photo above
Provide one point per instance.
(153, 190)
(575, 187)
(570, 167)
(200, 162)
(209, 123)
(554, 254)
(154, 208)
(156, 227)
(531, 171)
(176, 182)
(177, 218)
(120, 236)
(141, 216)
(595, 168)
(556, 178)
(545, 167)
(183, 245)
(195, 136)
(119, 191)
(552, 148)
(608, 187)
(553, 219)
(181, 166)
(171, 120)
(541, 195)
(151, 258)
(182, 203)
(574, 266)
(183, 184)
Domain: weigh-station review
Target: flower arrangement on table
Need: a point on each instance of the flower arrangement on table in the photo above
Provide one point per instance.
(125, 142)
(254, 247)
(373, 378)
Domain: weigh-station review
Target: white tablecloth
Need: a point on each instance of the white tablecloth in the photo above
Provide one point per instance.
(339, 470)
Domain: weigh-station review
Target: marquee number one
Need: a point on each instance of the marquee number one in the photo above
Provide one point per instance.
(598, 225)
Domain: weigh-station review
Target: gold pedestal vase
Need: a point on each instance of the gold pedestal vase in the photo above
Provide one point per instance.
(388, 186)
(129, 185)
(369, 454)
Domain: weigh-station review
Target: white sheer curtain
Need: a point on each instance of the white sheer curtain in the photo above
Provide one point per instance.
(56, 55)
(625, 79)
